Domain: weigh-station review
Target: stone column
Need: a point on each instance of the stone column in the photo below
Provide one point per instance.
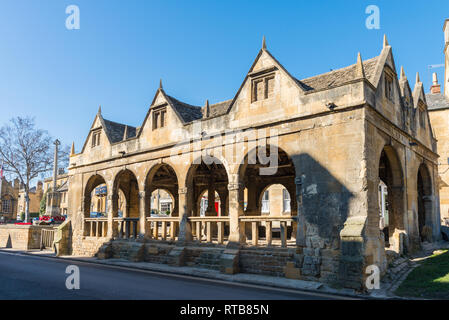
(300, 219)
(142, 214)
(184, 202)
(111, 205)
(236, 230)
(52, 208)
(210, 211)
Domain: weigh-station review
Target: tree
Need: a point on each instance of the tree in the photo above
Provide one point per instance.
(26, 152)
(43, 204)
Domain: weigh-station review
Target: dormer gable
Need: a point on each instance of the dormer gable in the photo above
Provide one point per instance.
(97, 134)
(261, 78)
(164, 109)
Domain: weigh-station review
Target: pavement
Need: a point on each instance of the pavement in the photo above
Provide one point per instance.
(41, 275)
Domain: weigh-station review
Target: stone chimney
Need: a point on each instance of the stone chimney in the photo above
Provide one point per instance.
(435, 88)
(446, 58)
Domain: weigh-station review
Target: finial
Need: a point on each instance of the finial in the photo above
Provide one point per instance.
(360, 69)
(99, 109)
(403, 76)
(72, 150)
(125, 133)
(160, 83)
(264, 43)
(417, 78)
(207, 109)
(385, 41)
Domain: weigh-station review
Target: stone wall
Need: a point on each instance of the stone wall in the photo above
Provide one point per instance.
(21, 237)
(87, 246)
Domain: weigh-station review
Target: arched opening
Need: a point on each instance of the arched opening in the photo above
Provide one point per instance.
(161, 191)
(162, 203)
(269, 193)
(125, 200)
(211, 180)
(275, 200)
(208, 193)
(391, 197)
(95, 193)
(424, 203)
(203, 204)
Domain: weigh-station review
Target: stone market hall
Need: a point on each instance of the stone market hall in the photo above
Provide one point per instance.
(351, 152)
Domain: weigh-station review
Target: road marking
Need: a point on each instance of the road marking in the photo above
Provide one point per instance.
(189, 277)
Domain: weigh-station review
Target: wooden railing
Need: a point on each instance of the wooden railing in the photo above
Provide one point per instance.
(164, 228)
(47, 238)
(126, 227)
(268, 222)
(203, 228)
(95, 227)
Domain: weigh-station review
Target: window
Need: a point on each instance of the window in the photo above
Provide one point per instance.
(6, 206)
(96, 138)
(266, 202)
(263, 88)
(389, 87)
(159, 118)
(165, 206)
(286, 200)
(422, 119)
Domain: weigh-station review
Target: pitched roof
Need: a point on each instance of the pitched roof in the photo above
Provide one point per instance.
(436, 101)
(219, 108)
(187, 112)
(338, 77)
(115, 130)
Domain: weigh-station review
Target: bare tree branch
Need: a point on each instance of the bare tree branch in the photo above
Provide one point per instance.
(26, 152)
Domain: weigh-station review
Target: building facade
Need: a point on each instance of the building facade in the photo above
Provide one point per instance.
(330, 141)
(9, 193)
(438, 102)
(62, 187)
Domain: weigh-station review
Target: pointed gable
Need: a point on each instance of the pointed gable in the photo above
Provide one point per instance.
(264, 64)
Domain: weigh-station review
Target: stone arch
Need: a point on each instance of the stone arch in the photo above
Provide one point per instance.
(162, 176)
(125, 188)
(392, 213)
(425, 203)
(93, 182)
(278, 188)
(212, 175)
(217, 196)
(250, 177)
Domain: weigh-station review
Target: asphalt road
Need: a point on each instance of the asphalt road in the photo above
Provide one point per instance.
(41, 278)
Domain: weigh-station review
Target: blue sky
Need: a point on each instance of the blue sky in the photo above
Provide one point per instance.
(201, 49)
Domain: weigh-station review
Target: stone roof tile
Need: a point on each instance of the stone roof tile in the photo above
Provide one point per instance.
(338, 77)
(436, 101)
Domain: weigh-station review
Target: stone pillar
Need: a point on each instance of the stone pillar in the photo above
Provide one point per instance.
(210, 211)
(142, 214)
(184, 202)
(111, 205)
(300, 219)
(52, 208)
(236, 229)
